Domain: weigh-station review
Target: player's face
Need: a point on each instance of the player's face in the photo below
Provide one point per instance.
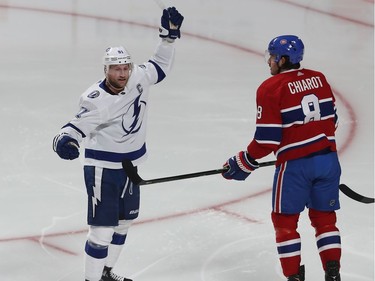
(118, 75)
(274, 66)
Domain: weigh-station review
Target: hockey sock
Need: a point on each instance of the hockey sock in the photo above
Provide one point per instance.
(95, 259)
(117, 242)
(288, 242)
(115, 248)
(327, 235)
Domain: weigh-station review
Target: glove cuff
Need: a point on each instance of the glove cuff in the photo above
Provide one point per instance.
(163, 32)
(56, 140)
(169, 33)
(245, 162)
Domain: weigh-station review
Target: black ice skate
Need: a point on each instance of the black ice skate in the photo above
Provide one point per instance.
(332, 272)
(108, 275)
(300, 276)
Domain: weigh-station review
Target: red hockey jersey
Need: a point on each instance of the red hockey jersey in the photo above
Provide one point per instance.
(296, 116)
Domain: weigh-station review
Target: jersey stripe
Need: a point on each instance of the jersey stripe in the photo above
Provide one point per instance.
(279, 189)
(161, 74)
(305, 142)
(75, 128)
(113, 156)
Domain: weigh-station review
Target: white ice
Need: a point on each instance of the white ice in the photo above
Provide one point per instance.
(207, 228)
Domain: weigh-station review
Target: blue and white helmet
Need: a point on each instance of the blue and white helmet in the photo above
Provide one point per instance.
(116, 55)
(287, 45)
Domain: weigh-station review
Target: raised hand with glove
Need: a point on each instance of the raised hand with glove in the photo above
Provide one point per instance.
(171, 22)
(239, 166)
(65, 146)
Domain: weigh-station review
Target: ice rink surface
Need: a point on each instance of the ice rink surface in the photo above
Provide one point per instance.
(203, 229)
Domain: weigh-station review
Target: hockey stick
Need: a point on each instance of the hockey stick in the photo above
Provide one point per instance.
(160, 4)
(135, 178)
(354, 195)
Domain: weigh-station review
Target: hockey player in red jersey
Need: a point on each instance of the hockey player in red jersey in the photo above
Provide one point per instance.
(296, 120)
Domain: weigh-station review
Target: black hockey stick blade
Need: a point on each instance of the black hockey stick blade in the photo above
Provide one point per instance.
(136, 179)
(354, 195)
(131, 172)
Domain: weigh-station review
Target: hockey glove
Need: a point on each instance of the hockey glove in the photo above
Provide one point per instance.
(65, 146)
(171, 21)
(239, 166)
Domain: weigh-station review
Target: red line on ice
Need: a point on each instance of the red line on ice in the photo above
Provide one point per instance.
(217, 207)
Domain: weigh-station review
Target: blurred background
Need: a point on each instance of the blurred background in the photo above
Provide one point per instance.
(206, 228)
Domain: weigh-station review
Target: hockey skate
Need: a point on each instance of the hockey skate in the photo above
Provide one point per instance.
(298, 277)
(108, 275)
(332, 272)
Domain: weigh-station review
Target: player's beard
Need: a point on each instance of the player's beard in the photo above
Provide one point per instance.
(117, 85)
(275, 70)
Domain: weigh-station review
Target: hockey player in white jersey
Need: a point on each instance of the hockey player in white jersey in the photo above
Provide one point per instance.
(111, 125)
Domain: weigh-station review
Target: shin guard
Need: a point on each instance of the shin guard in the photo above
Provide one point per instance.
(288, 242)
(327, 235)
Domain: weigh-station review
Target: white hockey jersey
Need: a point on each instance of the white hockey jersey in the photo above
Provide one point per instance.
(113, 127)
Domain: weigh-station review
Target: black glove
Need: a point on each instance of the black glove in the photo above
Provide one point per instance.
(171, 22)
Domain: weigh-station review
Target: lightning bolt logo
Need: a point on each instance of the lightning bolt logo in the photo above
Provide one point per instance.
(132, 124)
(97, 189)
(95, 198)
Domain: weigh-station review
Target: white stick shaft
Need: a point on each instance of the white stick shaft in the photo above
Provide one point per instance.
(160, 4)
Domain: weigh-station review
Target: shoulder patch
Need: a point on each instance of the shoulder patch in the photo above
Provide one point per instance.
(139, 88)
(93, 94)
